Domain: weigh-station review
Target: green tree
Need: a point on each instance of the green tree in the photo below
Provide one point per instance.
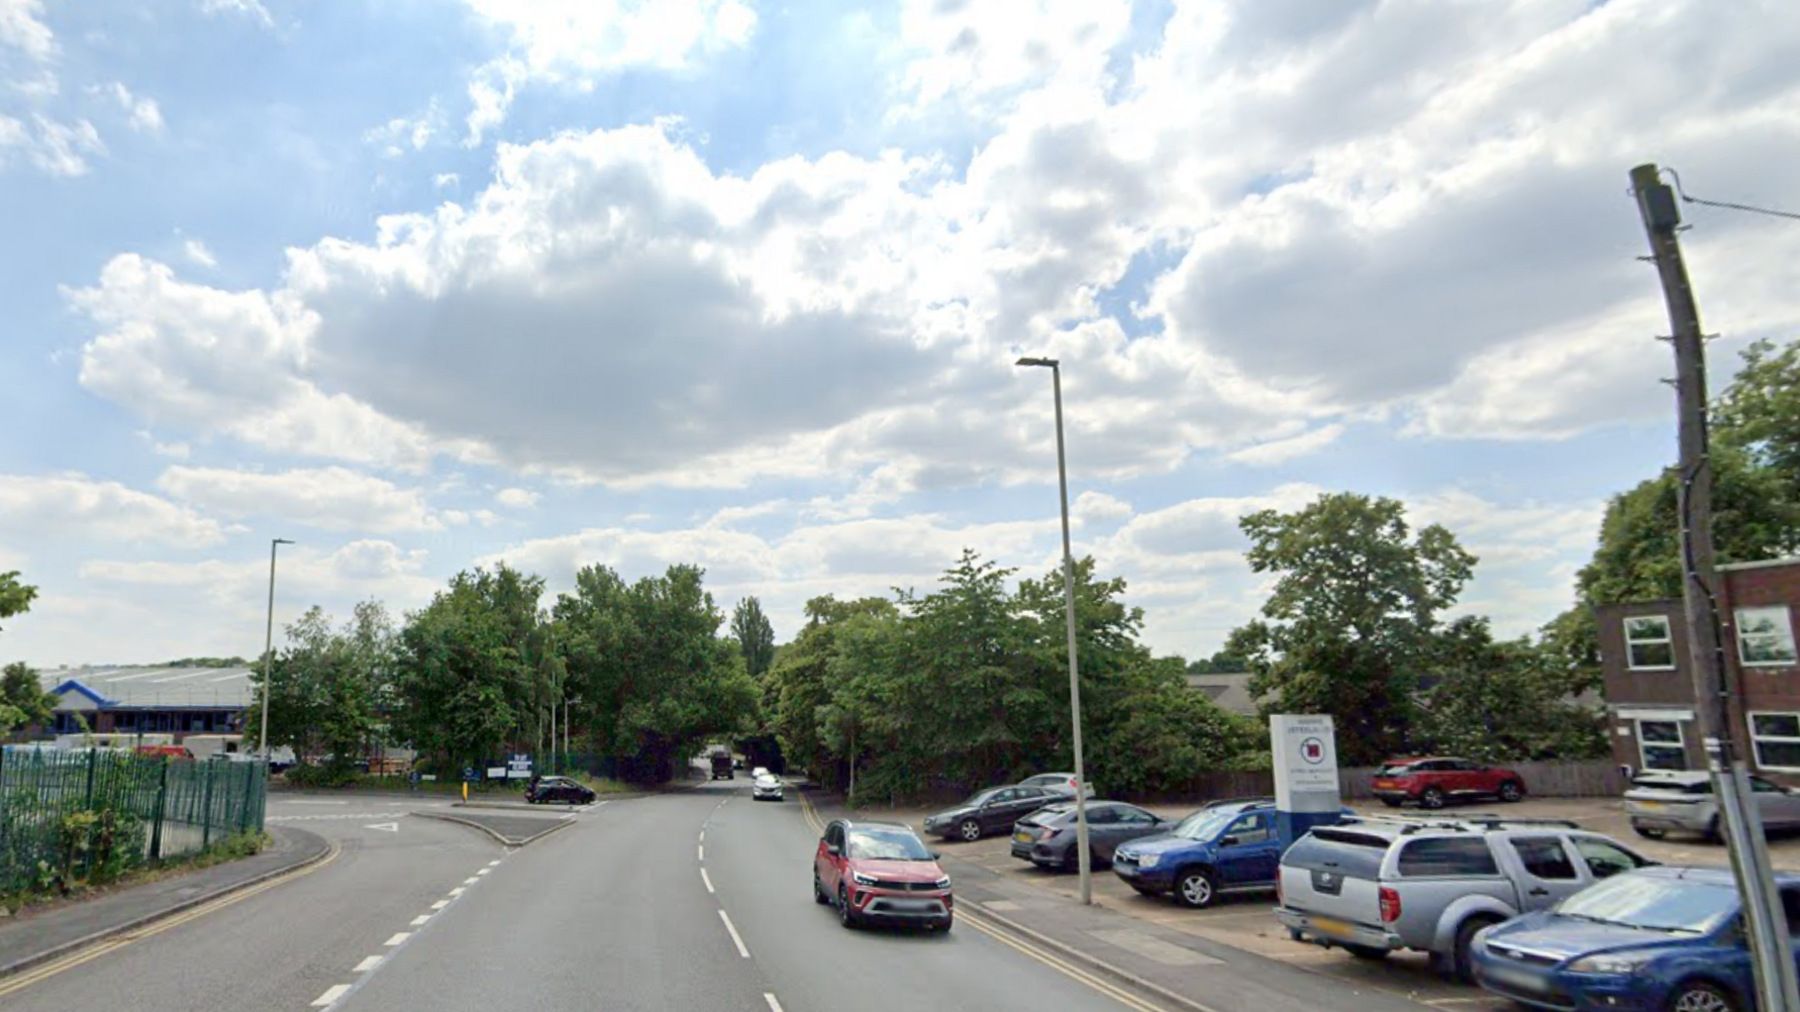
(1353, 616)
(324, 699)
(15, 597)
(23, 701)
(754, 635)
(797, 693)
(1759, 413)
(1497, 701)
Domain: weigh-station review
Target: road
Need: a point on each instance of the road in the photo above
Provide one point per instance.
(696, 900)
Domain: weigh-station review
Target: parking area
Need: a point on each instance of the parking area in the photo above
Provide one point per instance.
(1245, 921)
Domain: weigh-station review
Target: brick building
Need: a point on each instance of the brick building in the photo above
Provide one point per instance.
(1649, 679)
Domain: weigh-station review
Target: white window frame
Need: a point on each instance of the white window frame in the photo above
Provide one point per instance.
(1786, 621)
(1679, 742)
(1757, 739)
(1668, 638)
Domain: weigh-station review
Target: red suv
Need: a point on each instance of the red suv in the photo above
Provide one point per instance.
(1433, 781)
(880, 872)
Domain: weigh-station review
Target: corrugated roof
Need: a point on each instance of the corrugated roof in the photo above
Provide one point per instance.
(1228, 692)
(224, 688)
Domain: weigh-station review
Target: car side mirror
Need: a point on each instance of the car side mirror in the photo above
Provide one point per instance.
(934, 854)
(833, 849)
(1228, 841)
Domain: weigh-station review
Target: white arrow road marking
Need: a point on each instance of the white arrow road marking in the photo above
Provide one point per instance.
(392, 827)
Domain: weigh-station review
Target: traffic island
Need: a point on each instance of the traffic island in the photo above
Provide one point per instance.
(509, 830)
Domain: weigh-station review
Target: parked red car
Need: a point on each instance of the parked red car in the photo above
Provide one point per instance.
(1435, 780)
(880, 873)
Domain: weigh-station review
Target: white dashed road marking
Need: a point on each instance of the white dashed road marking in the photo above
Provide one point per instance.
(399, 936)
(440, 904)
(704, 877)
(735, 938)
(419, 920)
(368, 964)
(332, 993)
(774, 1006)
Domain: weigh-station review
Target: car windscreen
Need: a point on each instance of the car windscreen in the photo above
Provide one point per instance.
(978, 798)
(1654, 902)
(1204, 824)
(1394, 769)
(1357, 855)
(1670, 784)
(887, 844)
(1052, 815)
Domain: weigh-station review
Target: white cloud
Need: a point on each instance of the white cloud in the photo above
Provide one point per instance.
(577, 41)
(971, 49)
(198, 254)
(446, 180)
(400, 134)
(22, 28)
(331, 498)
(70, 506)
(1097, 507)
(1280, 451)
(145, 115)
(516, 498)
(249, 8)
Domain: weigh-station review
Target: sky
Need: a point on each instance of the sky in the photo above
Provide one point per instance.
(431, 284)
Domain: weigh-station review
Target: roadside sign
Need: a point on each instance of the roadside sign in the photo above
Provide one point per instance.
(1306, 770)
(518, 767)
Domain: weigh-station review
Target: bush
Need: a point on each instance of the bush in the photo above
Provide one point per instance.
(307, 775)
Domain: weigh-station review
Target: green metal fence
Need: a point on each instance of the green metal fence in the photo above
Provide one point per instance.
(70, 817)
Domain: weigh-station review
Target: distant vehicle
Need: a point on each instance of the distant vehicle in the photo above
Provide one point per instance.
(1226, 847)
(721, 768)
(759, 772)
(1683, 801)
(991, 811)
(1434, 781)
(880, 872)
(737, 762)
(552, 789)
(1061, 783)
(1376, 884)
(167, 751)
(1659, 938)
(1048, 836)
(767, 786)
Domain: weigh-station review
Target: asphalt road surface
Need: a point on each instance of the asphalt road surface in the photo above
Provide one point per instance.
(699, 900)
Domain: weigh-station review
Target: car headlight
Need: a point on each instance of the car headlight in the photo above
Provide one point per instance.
(943, 883)
(1148, 860)
(865, 880)
(1617, 965)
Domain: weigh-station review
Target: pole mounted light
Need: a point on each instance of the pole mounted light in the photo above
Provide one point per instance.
(1062, 476)
(269, 649)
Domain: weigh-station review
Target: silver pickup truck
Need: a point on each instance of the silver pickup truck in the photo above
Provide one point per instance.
(1376, 884)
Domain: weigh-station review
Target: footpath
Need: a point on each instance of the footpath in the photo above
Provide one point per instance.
(1171, 968)
(42, 935)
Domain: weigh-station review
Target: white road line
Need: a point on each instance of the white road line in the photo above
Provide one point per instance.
(440, 904)
(700, 852)
(471, 880)
(704, 877)
(368, 964)
(312, 802)
(483, 871)
(421, 919)
(458, 891)
(332, 993)
(735, 938)
(703, 836)
(493, 863)
(399, 936)
(774, 1006)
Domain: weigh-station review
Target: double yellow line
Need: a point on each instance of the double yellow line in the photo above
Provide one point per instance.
(98, 949)
(968, 914)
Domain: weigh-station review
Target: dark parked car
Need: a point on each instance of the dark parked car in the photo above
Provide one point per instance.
(1655, 938)
(991, 811)
(1048, 836)
(1433, 781)
(880, 872)
(549, 789)
(1225, 847)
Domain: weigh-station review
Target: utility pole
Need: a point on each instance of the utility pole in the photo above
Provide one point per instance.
(1742, 827)
(269, 650)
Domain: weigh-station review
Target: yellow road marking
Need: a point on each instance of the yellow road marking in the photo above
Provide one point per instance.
(99, 949)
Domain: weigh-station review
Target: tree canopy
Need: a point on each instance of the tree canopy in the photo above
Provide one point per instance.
(755, 636)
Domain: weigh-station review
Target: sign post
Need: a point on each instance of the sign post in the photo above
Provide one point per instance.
(1306, 774)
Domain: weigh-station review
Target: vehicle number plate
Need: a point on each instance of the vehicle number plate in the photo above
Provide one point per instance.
(1524, 980)
(1331, 927)
(1126, 870)
(910, 906)
(1650, 806)
(1022, 836)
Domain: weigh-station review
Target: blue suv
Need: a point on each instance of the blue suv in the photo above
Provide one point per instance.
(1228, 846)
(1655, 938)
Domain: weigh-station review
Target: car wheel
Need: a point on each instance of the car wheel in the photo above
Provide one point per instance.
(1462, 963)
(969, 830)
(1699, 996)
(1712, 833)
(1512, 791)
(1368, 952)
(819, 895)
(1194, 888)
(1432, 798)
(1648, 833)
(846, 916)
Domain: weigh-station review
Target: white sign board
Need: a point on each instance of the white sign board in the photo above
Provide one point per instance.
(1306, 768)
(496, 772)
(518, 767)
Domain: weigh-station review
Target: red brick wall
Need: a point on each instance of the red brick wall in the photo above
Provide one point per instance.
(1763, 688)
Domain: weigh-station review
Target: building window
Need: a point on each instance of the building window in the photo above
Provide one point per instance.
(1648, 643)
(1765, 636)
(1659, 742)
(1776, 737)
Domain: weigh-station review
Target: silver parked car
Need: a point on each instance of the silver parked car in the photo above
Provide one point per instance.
(1061, 783)
(1682, 800)
(1376, 884)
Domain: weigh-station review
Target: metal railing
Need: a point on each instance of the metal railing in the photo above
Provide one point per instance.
(86, 816)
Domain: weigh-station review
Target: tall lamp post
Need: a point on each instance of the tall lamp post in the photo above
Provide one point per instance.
(1062, 477)
(269, 650)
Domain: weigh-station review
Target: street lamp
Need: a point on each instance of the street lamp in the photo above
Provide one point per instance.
(1062, 476)
(269, 649)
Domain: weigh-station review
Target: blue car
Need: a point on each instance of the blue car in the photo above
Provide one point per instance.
(1222, 848)
(1652, 939)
